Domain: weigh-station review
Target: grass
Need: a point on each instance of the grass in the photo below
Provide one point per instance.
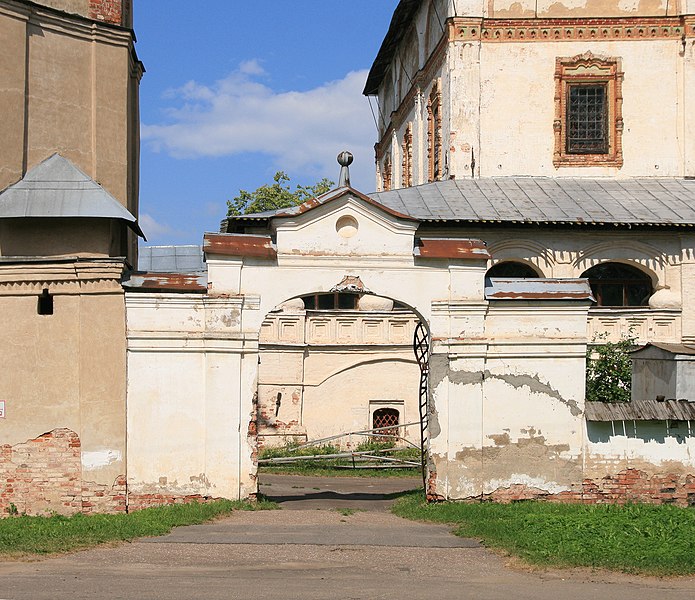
(636, 538)
(24, 535)
(337, 467)
(348, 512)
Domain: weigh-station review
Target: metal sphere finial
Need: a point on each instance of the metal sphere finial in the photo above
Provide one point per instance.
(345, 158)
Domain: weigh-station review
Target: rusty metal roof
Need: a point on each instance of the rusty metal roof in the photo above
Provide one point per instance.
(166, 282)
(450, 248)
(549, 201)
(403, 14)
(57, 188)
(239, 244)
(498, 288)
(643, 410)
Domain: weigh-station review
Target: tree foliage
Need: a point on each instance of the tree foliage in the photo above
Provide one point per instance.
(275, 195)
(609, 371)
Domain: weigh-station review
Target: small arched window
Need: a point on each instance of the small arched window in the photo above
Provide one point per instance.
(512, 269)
(616, 284)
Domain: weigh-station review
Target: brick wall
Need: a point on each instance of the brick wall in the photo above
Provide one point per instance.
(629, 485)
(44, 475)
(110, 11)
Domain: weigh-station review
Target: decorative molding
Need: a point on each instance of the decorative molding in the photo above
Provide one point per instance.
(570, 29)
(66, 276)
(407, 166)
(587, 69)
(423, 76)
(434, 132)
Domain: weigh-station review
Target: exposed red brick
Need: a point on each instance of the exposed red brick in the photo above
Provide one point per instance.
(109, 11)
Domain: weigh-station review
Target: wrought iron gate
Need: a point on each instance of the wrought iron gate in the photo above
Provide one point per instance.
(421, 347)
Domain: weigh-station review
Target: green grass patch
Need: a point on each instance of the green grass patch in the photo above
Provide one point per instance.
(339, 467)
(47, 535)
(636, 538)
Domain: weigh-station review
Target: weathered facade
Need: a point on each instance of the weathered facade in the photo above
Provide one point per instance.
(127, 389)
(69, 96)
(526, 125)
(473, 89)
(324, 373)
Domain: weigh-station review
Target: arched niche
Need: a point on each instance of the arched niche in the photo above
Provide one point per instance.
(618, 284)
(513, 269)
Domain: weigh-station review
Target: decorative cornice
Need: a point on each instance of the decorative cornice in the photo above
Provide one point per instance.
(570, 29)
(64, 277)
(61, 22)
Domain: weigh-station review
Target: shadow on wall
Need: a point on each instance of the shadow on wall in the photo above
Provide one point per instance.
(647, 431)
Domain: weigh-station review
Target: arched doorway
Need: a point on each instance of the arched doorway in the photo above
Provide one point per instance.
(343, 378)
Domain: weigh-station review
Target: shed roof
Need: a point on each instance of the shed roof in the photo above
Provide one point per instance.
(543, 200)
(57, 188)
(643, 410)
(670, 348)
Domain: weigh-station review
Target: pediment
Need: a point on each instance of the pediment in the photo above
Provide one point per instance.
(344, 224)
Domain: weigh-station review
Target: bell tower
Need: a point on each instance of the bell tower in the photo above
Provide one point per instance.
(69, 85)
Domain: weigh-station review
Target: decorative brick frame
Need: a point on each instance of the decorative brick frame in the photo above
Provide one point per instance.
(588, 68)
(387, 182)
(434, 132)
(407, 179)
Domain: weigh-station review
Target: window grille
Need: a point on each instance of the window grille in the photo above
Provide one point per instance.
(386, 417)
(587, 119)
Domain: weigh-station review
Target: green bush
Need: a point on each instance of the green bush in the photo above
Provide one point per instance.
(609, 370)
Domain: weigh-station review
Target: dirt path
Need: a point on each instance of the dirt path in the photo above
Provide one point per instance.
(318, 552)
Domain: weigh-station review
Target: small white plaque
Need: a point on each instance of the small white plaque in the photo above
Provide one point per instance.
(2, 409)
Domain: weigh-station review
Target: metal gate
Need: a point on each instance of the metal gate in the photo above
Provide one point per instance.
(421, 347)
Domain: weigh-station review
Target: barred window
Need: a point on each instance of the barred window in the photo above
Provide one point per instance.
(587, 119)
(588, 124)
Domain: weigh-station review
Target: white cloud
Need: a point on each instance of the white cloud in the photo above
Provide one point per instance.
(301, 132)
(154, 230)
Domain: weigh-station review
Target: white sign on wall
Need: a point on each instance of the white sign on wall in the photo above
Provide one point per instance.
(2, 409)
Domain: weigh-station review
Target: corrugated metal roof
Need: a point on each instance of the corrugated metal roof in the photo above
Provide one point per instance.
(644, 410)
(171, 259)
(57, 188)
(545, 200)
(498, 288)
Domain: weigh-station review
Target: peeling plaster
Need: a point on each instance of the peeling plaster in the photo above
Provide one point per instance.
(535, 483)
(439, 371)
(98, 459)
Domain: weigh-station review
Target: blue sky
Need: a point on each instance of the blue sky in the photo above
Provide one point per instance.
(239, 90)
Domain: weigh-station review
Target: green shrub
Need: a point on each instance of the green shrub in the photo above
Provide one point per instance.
(609, 370)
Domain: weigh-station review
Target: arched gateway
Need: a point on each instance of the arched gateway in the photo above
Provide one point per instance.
(506, 365)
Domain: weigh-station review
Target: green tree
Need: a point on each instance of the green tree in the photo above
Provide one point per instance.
(609, 371)
(276, 195)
